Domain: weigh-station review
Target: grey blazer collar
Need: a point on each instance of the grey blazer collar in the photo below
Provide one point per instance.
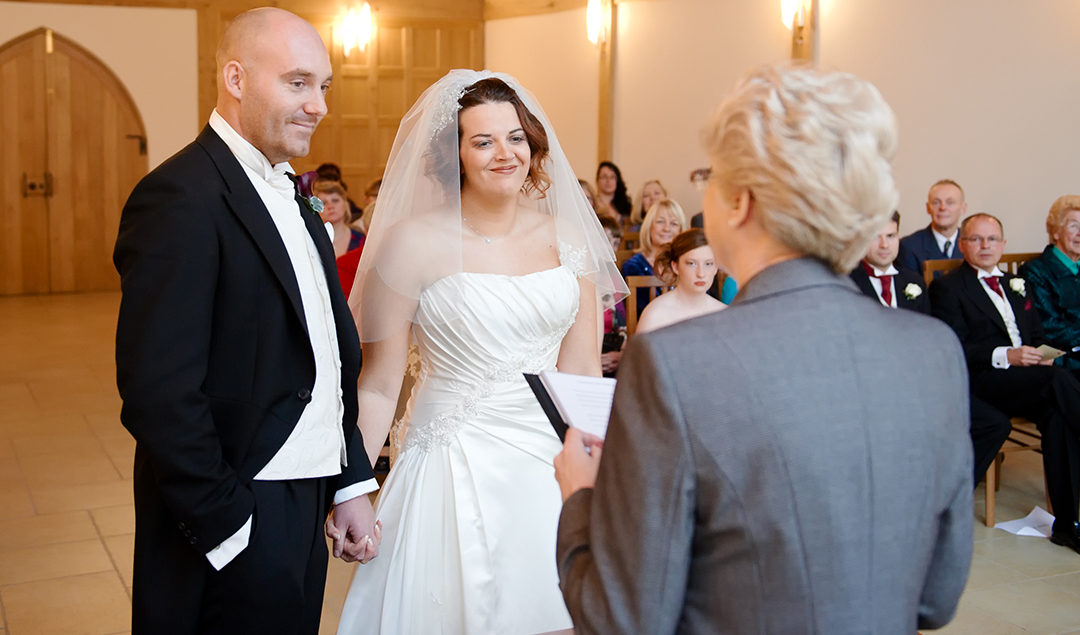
(791, 275)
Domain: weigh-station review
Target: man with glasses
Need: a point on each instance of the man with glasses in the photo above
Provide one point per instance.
(937, 241)
(999, 328)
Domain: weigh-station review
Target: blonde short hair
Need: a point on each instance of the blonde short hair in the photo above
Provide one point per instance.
(814, 149)
(1055, 220)
(646, 225)
(638, 215)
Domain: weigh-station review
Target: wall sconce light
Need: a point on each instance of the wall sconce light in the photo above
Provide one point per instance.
(802, 17)
(594, 18)
(357, 29)
(788, 11)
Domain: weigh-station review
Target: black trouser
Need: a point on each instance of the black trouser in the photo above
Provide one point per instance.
(989, 430)
(276, 584)
(1049, 396)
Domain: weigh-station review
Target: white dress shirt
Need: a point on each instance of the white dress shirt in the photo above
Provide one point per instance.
(875, 281)
(316, 446)
(941, 240)
(1000, 357)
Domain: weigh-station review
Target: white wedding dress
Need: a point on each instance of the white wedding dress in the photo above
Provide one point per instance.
(471, 506)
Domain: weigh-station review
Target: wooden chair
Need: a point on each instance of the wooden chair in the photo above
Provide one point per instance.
(631, 240)
(1024, 436)
(640, 284)
(622, 256)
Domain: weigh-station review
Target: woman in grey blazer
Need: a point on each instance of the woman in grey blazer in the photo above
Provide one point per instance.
(798, 463)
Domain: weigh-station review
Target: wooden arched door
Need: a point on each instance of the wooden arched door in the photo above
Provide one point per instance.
(72, 147)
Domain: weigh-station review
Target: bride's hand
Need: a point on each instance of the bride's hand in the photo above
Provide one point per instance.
(355, 535)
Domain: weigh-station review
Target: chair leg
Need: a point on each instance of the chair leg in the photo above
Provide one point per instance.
(991, 490)
(997, 471)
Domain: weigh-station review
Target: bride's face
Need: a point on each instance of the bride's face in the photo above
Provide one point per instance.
(494, 150)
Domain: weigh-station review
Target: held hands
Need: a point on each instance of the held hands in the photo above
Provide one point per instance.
(576, 466)
(354, 530)
(1026, 356)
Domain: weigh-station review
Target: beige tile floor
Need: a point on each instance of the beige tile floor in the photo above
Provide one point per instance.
(66, 518)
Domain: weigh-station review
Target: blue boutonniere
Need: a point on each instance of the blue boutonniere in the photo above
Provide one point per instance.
(303, 186)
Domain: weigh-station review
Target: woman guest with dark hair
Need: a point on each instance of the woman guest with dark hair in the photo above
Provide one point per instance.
(688, 264)
(1054, 278)
(611, 196)
(484, 252)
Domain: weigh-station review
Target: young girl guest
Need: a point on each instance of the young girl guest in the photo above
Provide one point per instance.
(687, 262)
(615, 317)
(336, 212)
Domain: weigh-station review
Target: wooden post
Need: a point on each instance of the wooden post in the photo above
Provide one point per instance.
(608, 33)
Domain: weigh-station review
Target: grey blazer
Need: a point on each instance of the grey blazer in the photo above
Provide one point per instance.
(797, 463)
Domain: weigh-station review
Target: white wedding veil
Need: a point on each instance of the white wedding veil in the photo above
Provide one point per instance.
(416, 234)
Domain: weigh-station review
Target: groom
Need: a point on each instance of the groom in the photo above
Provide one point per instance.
(237, 360)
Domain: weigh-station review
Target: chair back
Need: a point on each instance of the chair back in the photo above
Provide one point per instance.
(622, 256)
(639, 284)
(631, 240)
(1012, 262)
(930, 268)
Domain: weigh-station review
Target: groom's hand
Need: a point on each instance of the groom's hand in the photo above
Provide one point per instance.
(354, 530)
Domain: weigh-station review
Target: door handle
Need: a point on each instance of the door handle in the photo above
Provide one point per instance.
(36, 188)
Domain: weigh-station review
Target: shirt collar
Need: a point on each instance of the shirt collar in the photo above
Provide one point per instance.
(246, 153)
(890, 271)
(941, 238)
(1073, 267)
(993, 273)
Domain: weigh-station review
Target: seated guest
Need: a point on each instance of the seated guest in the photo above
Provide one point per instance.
(878, 278)
(663, 222)
(1053, 279)
(794, 463)
(996, 321)
(615, 317)
(336, 212)
(937, 241)
(611, 197)
(332, 172)
(590, 195)
(651, 193)
(688, 264)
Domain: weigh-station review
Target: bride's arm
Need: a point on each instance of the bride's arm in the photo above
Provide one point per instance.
(378, 388)
(580, 350)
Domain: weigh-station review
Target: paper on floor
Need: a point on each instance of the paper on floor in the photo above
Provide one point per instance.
(1038, 523)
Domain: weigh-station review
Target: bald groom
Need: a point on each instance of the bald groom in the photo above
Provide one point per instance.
(237, 360)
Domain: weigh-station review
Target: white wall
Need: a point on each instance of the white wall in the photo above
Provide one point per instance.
(552, 57)
(153, 52)
(985, 93)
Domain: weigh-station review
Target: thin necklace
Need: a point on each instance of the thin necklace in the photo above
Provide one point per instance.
(486, 239)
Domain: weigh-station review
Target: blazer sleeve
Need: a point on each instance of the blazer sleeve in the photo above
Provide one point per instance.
(624, 549)
(167, 256)
(951, 560)
(945, 304)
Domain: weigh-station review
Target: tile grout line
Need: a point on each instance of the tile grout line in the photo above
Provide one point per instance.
(116, 568)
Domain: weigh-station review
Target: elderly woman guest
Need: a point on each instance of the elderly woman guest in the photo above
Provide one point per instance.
(816, 466)
(336, 212)
(663, 222)
(1054, 278)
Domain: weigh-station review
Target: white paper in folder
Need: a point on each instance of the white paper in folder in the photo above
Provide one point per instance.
(584, 402)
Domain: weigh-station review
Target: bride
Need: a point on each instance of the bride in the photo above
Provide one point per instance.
(484, 253)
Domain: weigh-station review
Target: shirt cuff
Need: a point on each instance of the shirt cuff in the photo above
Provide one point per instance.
(224, 553)
(1000, 357)
(354, 490)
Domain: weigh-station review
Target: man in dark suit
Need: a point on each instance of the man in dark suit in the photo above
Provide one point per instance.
(237, 359)
(937, 241)
(878, 278)
(999, 328)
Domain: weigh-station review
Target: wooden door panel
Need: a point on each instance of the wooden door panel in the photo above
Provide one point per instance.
(24, 239)
(96, 156)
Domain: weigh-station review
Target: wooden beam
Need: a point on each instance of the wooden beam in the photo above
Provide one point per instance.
(606, 112)
(500, 9)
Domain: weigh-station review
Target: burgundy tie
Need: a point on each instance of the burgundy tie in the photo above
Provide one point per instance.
(993, 283)
(886, 283)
